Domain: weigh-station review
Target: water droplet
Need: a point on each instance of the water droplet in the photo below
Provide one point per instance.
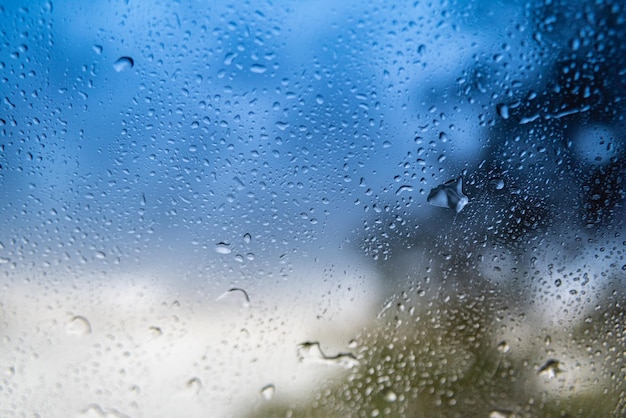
(404, 188)
(100, 255)
(5, 260)
(268, 392)
(194, 385)
(503, 110)
(123, 64)
(497, 183)
(78, 325)
(258, 68)
(310, 352)
(236, 296)
(504, 347)
(449, 195)
(155, 331)
(228, 59)
(282, 125)
(223, 248)
(95, 410)
(97, 49)
(501, 413)
(390, 396)
(550, 368)
(319, 99)
(247, 238)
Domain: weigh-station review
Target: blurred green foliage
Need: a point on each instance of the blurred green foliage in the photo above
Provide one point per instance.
(450, 356)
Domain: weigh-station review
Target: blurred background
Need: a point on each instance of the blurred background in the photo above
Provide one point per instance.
(221, 209)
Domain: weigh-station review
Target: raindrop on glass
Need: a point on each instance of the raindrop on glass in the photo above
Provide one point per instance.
(194, 385)
(390, 396)
(78, 325)
(223, 248)
(550, 368)
(503, 111)
(501, 413)
(449, 195)
(497, 183)
(123, 64)
(268, 392)
(311, 352)
(258, 68)
(236, 296)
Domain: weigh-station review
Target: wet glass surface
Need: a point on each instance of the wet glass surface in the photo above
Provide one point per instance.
(312, 209)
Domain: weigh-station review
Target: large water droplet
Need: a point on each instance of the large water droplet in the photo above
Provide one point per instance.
(194, 385)
(550, 368)
(236, 296)
(155, 331)
(404, 188)
(258, 68)
(449, 195)
(497, 183)
(78, 325)
(268, 392)
(223, 248)
(123, 64)
(390, 396)
(310, 352)
(503, 111)
(95, 410)
(501, 413)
